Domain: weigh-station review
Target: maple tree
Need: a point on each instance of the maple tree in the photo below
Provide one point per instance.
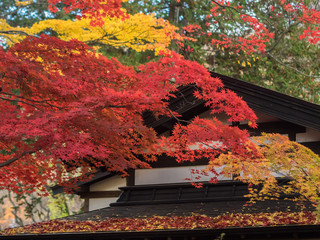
(95, 10)
(269, 43)
(296, 166)
(67, 109)
(139, 32)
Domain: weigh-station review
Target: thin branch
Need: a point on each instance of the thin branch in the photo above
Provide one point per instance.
(46, 210)
(307, 176)
(281, 36)
(11, 100)
(45, 102)
(294, 69)
(232, 8)
(17, 219)
(17, 32)
(12, 160)
(8, 38)
(29, 100)
(29, 209)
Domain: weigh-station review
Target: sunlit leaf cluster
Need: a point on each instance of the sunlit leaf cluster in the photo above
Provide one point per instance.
(279, 158)
(139, 32)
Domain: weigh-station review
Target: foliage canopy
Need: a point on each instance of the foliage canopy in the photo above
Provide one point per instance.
(68, 110)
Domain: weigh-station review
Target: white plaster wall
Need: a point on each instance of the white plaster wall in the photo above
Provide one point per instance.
(112, 183)
(170, 175)
(97, 203)
(310, 135)
(214, 144)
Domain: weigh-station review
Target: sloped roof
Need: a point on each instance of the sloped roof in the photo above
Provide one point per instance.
(260, 99)
(282, 106)
(209, 208)
(262, 233)
(274, 103)
(184, 199)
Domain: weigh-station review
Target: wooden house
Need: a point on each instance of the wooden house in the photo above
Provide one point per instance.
(163, 189)
(277, 113)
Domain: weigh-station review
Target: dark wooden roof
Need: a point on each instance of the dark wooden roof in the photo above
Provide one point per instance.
(260, 99)
(295, 113)
(219, 199)
(273, 103)
(184, 103)
(185, 200)
(261, 233)
(212, 200)
(181, 193)
(216, 205)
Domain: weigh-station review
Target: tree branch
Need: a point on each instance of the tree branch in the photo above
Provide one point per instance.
(12, 160)
(281, 36)
(294, 69)
(14, 211)
(15, 32)
(16, 100)
(229, 7)
(26, 101)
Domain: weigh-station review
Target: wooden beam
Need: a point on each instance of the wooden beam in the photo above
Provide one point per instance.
(130, 180)
(165, 161)
(274, 127)
(100, 194)
(85, 207)
(314, 146)
(274, 103)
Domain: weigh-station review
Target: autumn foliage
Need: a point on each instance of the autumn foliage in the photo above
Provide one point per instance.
(259, 35)
(139, 32)
(94, 9)
(169, 222)
(68, 110)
